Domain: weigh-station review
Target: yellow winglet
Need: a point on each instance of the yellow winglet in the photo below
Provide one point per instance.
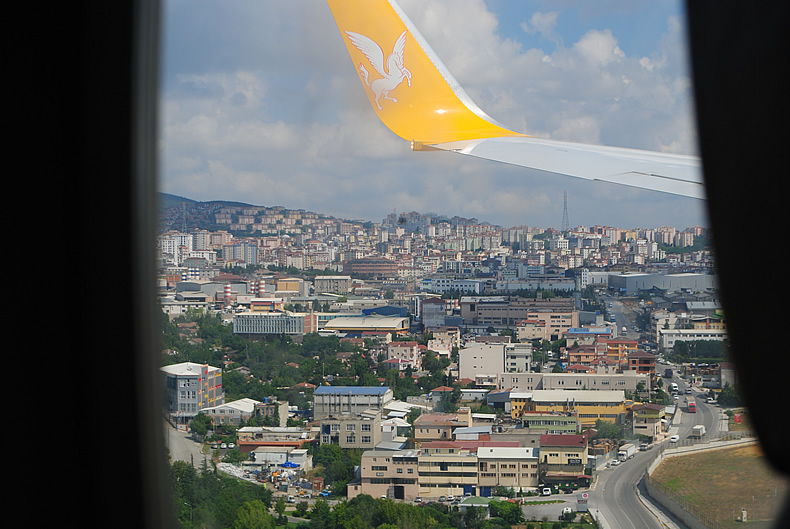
(409, 88)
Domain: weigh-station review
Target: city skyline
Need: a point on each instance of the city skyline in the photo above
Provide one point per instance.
(260, 104)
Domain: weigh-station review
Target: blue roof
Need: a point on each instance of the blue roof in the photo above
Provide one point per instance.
(353, 390)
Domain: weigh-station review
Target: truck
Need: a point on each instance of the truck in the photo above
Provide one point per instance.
(668, 373)
(698, 431)
(626, 451)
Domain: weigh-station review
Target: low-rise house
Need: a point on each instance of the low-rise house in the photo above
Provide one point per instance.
(649, 420)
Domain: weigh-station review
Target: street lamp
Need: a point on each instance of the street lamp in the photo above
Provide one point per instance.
(190, 512)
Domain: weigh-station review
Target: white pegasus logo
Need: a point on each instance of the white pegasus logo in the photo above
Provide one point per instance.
(395, 72)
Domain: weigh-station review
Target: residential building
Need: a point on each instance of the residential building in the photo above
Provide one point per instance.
(643, 363)
(518, 357)
(407, 353)
(476, 359)
(335, 401)
(649, 420)
(361, 430)
(445, 468)
(332, 284)
(393, 474)
(512, 467)
(440, 426)
(272, 408)
(563, 458)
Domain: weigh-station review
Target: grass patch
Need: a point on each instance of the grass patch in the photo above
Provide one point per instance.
(722, 482)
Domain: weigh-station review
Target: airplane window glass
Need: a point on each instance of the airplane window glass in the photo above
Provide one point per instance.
(288, 202)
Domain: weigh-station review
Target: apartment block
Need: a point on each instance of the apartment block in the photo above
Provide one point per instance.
(515, 467)
(445, 468)
(361, 430)
(335, 401)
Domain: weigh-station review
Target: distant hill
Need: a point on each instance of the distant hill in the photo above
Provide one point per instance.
(167, 201)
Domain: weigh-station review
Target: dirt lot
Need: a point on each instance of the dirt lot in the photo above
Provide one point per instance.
(722, 482)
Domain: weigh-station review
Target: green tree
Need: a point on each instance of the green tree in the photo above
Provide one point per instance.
(729, 396)
(320, 515)
(253, 515)
(607, 430)
(279, 506)
(200, 424)
(301, 508)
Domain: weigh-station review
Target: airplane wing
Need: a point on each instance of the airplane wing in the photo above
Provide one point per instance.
(420, 101)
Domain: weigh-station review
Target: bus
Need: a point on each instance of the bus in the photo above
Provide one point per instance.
(692, 405)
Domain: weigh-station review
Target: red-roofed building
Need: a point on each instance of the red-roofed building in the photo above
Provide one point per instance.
(642, 362)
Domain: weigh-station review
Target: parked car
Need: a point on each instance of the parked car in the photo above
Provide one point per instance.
(231, 445)
(546, 492)
(674, 439)
(450, 497)
(442, 499)
(615, 462)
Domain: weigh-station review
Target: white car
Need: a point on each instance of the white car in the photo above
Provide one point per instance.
(615, 462)
(674, 439)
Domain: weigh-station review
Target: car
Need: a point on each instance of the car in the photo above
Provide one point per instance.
(417, 500)
(546, 492)
(214, 446)
(688, 391)
(710, 400)
(223, 445)
(675, 397)
(674, 439)
(442, 498)
(231, 445)
(615, 462)
(451, 498)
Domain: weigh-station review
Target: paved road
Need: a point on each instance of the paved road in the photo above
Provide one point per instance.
(616, 496)
(182, 447)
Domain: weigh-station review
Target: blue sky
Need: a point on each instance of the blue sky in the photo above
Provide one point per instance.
(261, 104)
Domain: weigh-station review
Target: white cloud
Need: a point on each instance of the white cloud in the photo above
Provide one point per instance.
(261, 104)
